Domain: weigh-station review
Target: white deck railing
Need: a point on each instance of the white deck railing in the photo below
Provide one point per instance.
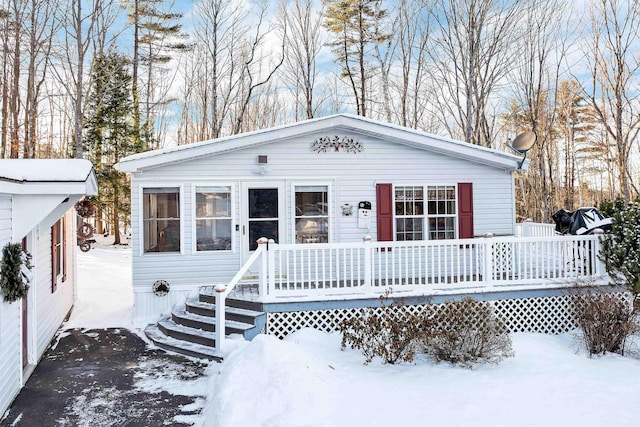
(328, 271)
(529, 228)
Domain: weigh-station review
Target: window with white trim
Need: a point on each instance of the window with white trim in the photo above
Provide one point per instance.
(312, 214)
(409, 208)
(161, 219)
(213, 218)
(442, 212)
(438, 220)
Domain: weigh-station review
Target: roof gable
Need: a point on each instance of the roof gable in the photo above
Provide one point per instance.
(341, 122)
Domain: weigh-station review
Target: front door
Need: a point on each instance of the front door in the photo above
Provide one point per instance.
(263, 213)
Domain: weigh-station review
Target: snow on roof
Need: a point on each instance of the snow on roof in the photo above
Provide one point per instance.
(45, 170)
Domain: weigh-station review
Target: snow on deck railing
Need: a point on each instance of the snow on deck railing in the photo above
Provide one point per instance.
(325, 271)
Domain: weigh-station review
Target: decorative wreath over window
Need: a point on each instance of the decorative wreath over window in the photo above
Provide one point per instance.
(336, 143)
(14, 272)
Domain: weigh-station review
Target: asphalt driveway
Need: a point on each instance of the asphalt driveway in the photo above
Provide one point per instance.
(109, 377)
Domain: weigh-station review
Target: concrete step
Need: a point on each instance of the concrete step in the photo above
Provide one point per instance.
(186, 348)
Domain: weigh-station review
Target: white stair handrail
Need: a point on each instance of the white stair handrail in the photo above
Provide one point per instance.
(222, 291)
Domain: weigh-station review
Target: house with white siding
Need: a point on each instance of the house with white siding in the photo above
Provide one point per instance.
(36, 208)
(317, 215)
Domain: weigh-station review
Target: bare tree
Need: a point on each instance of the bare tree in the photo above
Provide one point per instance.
(303, 42)
(470, 55)
(412, 29)
(82, 21)
(612, 91)
(536, 71)
(254, 50)
(212, 70)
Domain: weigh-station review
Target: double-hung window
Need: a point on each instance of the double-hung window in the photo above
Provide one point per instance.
(312, 214)
(442, 212)
(161, 219)
(436, 222)
(409, 204)
(213, 218)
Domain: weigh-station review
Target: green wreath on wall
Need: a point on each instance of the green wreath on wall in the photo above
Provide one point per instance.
(14, 278)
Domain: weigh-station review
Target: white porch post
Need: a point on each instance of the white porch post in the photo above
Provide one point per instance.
(598, 267)
(366, 240)
(526, 227)
(271, 266)
(488, 259)
(264, 272)
(220, 317)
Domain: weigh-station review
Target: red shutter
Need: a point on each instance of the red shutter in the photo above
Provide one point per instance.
(384, 212)
(63, 228)
(465, 210)
(54, 258)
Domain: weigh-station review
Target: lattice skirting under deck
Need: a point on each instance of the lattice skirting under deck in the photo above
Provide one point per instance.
(549, 315)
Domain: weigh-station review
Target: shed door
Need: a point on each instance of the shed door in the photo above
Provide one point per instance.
(263, 214)
(25, 321)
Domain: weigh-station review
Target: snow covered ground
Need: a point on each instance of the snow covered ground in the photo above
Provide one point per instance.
(307, 380)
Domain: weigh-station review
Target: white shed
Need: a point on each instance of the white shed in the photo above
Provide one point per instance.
(198, 209)
(36, 201)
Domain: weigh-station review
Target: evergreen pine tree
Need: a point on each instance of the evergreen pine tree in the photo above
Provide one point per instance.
(110, 134)
(620, 250)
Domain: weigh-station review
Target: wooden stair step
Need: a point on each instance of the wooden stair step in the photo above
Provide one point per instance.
(207, 323)
(228, 310)
(179, 346)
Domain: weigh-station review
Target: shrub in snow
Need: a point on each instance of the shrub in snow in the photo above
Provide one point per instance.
(466, 332)
(388, 332)
(606, 321)
(620, 250)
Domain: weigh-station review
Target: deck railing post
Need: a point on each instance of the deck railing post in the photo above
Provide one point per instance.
(368, 254)
(488, 259)
(263, 275)
(599, 268)
(220, 317)
(526, 227)
(271, 267)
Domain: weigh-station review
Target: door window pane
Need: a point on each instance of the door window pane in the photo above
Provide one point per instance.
(263, 203)
(258, 229)
(263, 215)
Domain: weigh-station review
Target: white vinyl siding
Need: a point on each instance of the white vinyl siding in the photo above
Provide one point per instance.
(10, 338)
(48, 309)
(52, 308)
(352, 178)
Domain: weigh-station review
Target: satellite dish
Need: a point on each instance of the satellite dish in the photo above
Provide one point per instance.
(523, 143)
